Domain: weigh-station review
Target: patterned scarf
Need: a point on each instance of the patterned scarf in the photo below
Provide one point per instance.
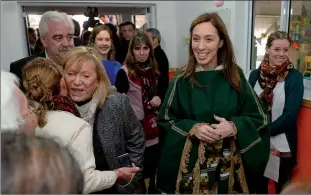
(65, 104)
(148, 80)
(270, 75)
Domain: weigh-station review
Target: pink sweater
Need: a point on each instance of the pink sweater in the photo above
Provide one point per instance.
(135, 97)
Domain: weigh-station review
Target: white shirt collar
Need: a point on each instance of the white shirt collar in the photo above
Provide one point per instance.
(200, 68)
(46, 54)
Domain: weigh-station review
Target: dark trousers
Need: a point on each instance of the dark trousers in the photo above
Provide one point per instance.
(285, 174)
(150, 166)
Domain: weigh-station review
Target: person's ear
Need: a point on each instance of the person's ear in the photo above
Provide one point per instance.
(221, 43)
(63, 87)
(267, 50)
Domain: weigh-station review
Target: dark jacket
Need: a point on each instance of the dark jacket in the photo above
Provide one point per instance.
(123, 50)
(17, 66)
(118, 131)
(286, 123)
(163, 67)
(77, 42)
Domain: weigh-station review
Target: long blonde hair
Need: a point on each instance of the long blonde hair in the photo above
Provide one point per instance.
(41, 80)
(78, 56)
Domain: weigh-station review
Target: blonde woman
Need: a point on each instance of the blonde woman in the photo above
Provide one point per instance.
(116, 130)
(41, 80)
(280, 86)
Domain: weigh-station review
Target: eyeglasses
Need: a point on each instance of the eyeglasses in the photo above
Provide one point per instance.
(33, 107)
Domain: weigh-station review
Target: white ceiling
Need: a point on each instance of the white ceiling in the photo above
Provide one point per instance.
(81, 10)
(270, 7)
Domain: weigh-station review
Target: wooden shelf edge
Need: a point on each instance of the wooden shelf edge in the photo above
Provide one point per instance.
(306, 103)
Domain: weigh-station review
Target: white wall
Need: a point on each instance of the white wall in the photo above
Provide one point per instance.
(166, 23)
(187, 11)
(13, 34)
(173, 19)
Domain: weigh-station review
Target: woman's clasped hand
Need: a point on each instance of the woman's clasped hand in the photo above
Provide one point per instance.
(213, 132)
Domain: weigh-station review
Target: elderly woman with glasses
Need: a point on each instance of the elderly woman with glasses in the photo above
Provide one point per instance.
(41, 81)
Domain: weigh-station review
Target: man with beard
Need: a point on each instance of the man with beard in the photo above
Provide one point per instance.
(56, 34)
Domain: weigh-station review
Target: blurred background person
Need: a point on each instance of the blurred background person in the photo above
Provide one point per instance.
(76, 39)
(37, 165)
(16, 111)
(85, 37)
(128, 31)
(38, 45)
(105, 19)
(120, 29)
(161, 58)
(32, 38)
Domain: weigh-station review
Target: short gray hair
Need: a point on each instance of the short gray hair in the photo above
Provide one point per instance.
(10, 105)
(53, 16)
(155, 33)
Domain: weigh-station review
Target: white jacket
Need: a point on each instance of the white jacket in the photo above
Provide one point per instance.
(76, 135)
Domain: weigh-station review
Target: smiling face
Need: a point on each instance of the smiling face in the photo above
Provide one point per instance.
(81, 80)
(103, 43)
(278, 51)
(205, 44)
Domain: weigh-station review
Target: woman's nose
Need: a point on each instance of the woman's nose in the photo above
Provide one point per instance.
(77, 80)
(201, 45)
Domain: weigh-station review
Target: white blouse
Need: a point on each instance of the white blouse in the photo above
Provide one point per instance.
(278, 142)
(76, 135)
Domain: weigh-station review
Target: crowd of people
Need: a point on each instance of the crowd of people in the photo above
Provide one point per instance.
(96, 113)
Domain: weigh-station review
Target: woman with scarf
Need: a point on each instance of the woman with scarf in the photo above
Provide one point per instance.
(281, 88)
(116, 130)
(57, 118)
(138, 78)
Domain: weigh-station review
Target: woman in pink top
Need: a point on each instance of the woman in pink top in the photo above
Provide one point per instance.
(138, 78)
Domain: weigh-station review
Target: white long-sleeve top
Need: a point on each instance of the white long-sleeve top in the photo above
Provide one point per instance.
(76, 135)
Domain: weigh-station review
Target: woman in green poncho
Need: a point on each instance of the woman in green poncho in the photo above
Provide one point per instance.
(214, 135)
